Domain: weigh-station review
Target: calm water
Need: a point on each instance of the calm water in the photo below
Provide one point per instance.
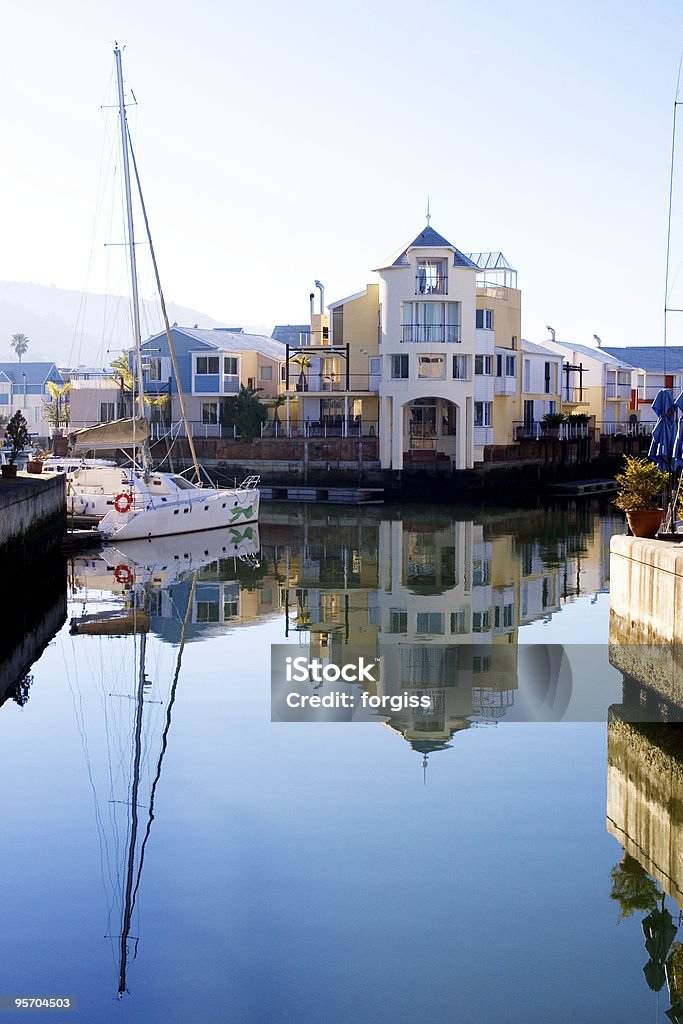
(163, 837)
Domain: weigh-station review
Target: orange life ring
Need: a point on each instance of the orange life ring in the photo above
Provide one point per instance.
(123, 502)
(123, 574)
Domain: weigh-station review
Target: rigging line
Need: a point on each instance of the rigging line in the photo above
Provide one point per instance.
(167, 726)
(671, 189)
(137, 746)
(181, 398)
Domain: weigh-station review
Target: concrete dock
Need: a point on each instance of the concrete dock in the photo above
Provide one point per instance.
(32, 516)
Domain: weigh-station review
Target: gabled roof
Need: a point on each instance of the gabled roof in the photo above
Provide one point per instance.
(227, 341)
(650, 358)
(539, 350)
(290, 334)
(347, 298)
(427, 239)
(30, 373)
(601, 354)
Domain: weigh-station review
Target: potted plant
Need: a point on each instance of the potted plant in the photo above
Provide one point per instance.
(551, 422)
(35, 463)
(640, 489)
(16, 433)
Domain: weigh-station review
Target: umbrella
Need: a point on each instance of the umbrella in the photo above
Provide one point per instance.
(678, 441)
(664, 435)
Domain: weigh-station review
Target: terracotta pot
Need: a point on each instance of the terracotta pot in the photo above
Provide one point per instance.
(8, 472)
(34, 466)
(645, 521)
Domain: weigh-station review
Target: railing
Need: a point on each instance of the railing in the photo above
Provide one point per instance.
(617, 390)
(611, 429)
(332, 427)
(314, 382)
(575, 395)
(434, 285)
(430, 333)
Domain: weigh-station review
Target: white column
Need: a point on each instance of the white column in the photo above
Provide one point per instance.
(397, 436)
(384, 426)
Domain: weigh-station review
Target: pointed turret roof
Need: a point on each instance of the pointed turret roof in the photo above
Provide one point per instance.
(427, 239)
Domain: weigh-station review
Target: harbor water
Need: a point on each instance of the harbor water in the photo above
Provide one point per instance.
(172, 854)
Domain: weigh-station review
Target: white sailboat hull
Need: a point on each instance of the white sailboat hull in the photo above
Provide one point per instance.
(190, 511)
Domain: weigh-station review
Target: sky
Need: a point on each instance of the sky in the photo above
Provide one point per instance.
(280, 143)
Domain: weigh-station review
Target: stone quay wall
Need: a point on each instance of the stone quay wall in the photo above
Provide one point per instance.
(32, 516)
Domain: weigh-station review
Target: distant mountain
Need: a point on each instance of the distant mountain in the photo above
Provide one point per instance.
(78, 328)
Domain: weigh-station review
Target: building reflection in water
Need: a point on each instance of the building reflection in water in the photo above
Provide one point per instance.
(645, 815)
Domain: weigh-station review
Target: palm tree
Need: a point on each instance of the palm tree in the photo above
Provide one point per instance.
(62, 409)
(19, 343)
(304, 362)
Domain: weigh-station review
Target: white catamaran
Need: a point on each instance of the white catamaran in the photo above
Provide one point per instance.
(138, 502)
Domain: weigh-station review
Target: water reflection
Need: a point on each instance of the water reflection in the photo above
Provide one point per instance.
(645, 815)
(442, 600)
(29, 624)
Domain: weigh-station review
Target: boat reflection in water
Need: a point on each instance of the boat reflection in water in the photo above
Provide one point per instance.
(141, 588)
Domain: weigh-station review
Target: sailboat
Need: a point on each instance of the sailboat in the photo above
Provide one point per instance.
(139, 502)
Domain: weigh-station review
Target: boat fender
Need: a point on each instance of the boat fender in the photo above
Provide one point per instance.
(123, 574)
(123, 502)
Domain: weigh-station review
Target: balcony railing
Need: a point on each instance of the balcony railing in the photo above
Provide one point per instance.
(313, 382)
(618, 391)
(430, 333)
(431, 285)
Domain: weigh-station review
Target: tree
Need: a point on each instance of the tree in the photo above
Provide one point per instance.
(304, 362)
(20, 344)
(16, 432)
(632, 887)
(245, 411)
(59, 411)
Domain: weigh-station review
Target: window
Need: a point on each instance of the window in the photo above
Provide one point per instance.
(431, 367)
(483, 365)
(527, 375)
(207, 364)
(283, 372)
(431, 623)
(338, 325)
(459, 622)
(398, 620)
(431, 277)
(482, 414)
(106, 412)
(431, 321)
(547, 378)
(485, 319)
(499, 366)
(460, 368)
(154, 372)
(481, 622)
(481, 572)
(209, 412)
(510, 366)
(230, 365)
(375, 365)
(251, 382)
(399, 367)
(266, 373)
(207, 611)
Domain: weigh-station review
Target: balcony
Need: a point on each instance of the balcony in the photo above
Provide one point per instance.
(430, 333)
(505, 386)
(574, 396)
(618, 392)
(431, 284)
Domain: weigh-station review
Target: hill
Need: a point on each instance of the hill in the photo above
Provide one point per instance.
(75, 328)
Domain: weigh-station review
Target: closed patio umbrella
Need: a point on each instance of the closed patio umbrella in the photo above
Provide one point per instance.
(664, 435)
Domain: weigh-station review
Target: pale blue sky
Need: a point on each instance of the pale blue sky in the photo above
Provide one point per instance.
(283, 142)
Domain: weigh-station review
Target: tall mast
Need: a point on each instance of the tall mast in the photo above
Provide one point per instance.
(131, 233)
